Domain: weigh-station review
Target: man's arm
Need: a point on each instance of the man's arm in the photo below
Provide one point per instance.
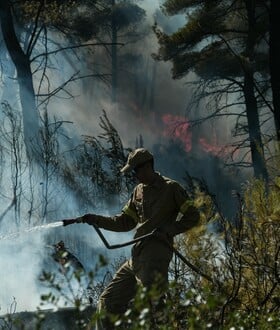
(118, 223)
(125, 221)
(188, 213)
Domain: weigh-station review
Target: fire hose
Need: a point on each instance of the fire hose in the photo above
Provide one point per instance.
(141, 238)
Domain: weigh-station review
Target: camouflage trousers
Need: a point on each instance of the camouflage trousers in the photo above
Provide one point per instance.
(140, 270)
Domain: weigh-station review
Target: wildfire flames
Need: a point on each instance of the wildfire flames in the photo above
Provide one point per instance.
(179, 128)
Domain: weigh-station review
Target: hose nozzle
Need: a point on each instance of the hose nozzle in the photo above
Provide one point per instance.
(68, 222)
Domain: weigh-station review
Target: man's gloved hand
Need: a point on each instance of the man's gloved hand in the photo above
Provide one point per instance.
(90, 219)
(87, 218)
(67, 222)
(161, 234)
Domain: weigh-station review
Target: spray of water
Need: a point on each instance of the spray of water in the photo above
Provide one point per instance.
(33, 229)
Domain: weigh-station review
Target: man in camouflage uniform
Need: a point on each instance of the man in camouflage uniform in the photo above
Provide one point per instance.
(157, 203)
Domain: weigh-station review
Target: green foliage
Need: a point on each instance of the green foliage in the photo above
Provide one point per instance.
(69, 286)
(85, 19)
(192, 309)
(173, 7)
(245, 262)
(203, 45)
(49, 13)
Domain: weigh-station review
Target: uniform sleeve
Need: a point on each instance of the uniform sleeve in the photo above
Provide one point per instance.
(189, 214)
(125, 221)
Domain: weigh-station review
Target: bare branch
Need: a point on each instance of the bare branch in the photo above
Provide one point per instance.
(56, 51)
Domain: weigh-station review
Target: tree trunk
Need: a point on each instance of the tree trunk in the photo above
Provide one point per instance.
(274, 55)
(24, 76)
(153, 86)
(114, 55)
(254, 128)
(255, 138)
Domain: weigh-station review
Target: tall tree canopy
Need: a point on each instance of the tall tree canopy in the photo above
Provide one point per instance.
(225, 44)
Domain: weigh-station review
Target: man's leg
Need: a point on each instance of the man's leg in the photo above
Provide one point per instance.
(116, 296)
(153, 273)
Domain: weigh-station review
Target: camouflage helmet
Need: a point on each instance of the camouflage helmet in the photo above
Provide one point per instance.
(135, 158)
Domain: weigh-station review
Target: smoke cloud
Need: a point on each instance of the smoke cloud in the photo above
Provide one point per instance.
(149, 104)
(19, 271)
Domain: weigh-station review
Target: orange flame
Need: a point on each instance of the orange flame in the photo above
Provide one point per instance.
(178, 128)
(214, 149)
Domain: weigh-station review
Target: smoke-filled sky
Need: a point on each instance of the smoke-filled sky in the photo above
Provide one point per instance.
(160, 125)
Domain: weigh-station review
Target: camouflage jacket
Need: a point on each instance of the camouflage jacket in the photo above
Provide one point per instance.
(164, 204)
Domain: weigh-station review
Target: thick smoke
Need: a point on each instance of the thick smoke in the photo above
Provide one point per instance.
(146, 97)
(19, 266)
